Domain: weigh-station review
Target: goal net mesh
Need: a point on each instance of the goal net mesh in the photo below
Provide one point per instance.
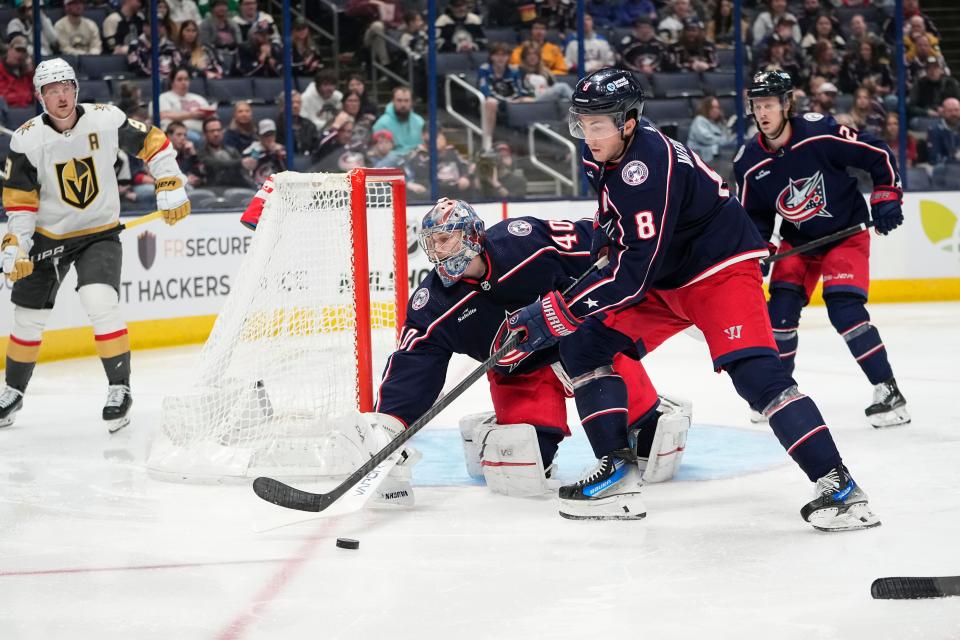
(281, 364)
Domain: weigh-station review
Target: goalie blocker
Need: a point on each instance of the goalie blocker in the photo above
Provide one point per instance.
(507, 456)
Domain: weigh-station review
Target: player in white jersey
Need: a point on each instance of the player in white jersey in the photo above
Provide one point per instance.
(60, 193)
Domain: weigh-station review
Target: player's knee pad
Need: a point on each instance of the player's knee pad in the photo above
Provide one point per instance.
(848, 315)
(28, 324)
(785, 307)
(659, 457)
(102, 304)
(507, 456)
(760, 379)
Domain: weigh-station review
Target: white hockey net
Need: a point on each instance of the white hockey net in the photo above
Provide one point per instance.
(286, 356)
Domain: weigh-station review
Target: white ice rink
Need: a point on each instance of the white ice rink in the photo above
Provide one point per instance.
(90, 547)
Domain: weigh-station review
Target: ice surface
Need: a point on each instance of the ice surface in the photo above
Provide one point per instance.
(90, 547)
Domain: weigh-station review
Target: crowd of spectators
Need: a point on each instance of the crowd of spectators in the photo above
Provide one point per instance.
(841, 63)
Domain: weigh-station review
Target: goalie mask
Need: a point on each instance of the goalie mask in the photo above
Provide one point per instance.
(451, 235)
(54, 71)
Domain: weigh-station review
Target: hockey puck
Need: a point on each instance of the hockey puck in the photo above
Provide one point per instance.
(348, 543)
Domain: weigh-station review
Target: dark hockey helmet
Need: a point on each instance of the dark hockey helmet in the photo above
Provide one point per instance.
(609, 91)
(770, 84)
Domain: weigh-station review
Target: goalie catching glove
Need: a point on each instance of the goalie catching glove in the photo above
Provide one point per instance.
(16, 262)
(172, 199)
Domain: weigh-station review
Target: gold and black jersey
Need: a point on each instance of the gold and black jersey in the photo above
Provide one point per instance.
(63, 185)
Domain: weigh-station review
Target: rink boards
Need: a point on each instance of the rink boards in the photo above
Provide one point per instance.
(175, 279)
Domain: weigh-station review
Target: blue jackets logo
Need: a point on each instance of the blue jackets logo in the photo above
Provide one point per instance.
(803, 199)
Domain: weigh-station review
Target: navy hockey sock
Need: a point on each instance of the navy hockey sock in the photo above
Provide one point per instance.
(784, 307)
(602, 404)
(794, 418)
(851, 320)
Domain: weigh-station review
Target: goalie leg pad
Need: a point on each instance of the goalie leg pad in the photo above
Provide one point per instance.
(469, 425)
(661, 461)
(510, 459)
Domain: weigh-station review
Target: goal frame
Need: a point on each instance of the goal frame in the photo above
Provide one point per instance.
(359, 178)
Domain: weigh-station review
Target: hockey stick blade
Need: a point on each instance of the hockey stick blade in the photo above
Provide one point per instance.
(904, 588)
(819, 242)
(284, 495)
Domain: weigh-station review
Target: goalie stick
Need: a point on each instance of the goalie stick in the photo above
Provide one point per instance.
(819, 242)
(904, 588)
(368, 476)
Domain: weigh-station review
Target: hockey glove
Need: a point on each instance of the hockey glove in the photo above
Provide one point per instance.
(885, 209)
(172, 199)
(543, 323)
(599, 243)
(16, 262)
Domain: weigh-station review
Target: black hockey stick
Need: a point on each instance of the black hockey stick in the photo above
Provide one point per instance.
(284, 495)
(819, 242)
(901, 588)
(61, 248)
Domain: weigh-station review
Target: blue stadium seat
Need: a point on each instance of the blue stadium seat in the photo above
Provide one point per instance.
(69, 58)
(266, 89)
(726, 59)
(660, 111)
(145, 84)
(229, 89)
(225, 113)
(95, 91)
(261, 111)
(510, 35)
(98, 14)
(720, 83)
(918, 180)
(922, 124)
(520, 115)
(18, 115)
(102, 66)
(676, 85)
(448, 63)
(728, 104)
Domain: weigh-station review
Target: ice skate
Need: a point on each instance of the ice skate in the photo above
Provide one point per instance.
(11, 401)
(610, 491)
(840, 505)
(757, 418)
(118, 405)
(889, 408)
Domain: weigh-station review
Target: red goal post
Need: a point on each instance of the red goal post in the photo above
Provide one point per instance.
(360, 180)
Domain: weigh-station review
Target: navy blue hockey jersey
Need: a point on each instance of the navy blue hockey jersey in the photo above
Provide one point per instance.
(670, 218)
(525, 258)
(806, 181)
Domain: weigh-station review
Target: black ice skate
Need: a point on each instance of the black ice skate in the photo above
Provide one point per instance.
(118, 405)
(11, 401)
(610, 491)
(840, 505)
(889, 408)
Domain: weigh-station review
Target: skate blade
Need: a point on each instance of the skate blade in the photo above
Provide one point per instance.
(115, 425)
(857, 516)
(896, 418)
(626, 506)
(6, 422)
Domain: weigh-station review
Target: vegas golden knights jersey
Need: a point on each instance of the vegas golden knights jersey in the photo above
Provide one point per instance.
(63, 185)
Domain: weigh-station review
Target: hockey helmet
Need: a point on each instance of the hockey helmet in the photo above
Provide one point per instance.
(612, 92)
(769, 84)
(51, 71)
(451, 235)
